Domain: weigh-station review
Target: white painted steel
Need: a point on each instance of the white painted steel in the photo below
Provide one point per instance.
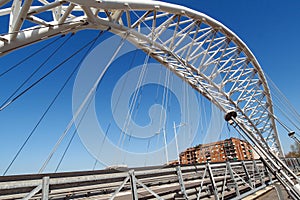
(155, 180)
(200, 51)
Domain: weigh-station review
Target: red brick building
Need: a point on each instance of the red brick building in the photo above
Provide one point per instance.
(229, 149)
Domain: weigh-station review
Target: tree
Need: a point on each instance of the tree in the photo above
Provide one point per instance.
(295, 151)
(199, 146)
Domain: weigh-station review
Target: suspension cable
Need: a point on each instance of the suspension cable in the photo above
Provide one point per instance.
(91, 92)
(31, 55)
(39, 121)
(203, 117)
(75, 131)
(65, 151)
(165, 90)
(285, 103)
(84, 113)
(284, 99)
(287, 116)
(285, 113)
(146, 155)
(157, 89)
(36, 70)
(132, 105)
(166, 103)
(286, 127)
(272, 114)
(47, 74)
(156, 100)
(115, 107)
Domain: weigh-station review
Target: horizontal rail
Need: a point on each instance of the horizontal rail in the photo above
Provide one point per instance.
(160, 180)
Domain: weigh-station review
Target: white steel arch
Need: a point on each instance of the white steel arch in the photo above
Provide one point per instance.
(200, 49)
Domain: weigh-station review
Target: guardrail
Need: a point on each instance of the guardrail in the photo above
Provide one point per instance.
(235, 180)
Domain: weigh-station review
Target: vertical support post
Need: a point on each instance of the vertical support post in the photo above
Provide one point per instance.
(166, 146)
(298, 163)
(298, 160)
(269, 174)
(290, 161)
(133, 185)
(119, 188)
(247, 173)
(295, 164)
(181, 183)
(201, 185)
(212, 180)
(45, 188)
(259, 173)
(232, 178)
(284, 160)
(176, 142)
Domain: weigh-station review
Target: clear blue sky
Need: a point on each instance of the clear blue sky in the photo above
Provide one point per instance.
(269, 28)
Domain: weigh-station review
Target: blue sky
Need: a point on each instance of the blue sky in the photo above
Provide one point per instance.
(269, 28)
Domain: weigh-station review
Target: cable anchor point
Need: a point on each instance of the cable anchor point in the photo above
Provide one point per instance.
(229, 116)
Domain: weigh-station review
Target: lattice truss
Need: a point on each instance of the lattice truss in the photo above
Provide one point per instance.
(200, 50)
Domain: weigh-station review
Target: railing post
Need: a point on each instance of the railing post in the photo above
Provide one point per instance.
(181, 183)
(259, 173)
(212, 180)
(292, 167)
(45, 188)
(247, 174)
(232, 177)
(269, 174)
(133, 185)
(295, 164)
(298, 161)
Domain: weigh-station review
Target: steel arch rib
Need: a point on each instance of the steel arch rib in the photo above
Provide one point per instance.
(202, 51)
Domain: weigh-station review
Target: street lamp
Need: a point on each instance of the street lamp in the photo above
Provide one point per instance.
(292, 135)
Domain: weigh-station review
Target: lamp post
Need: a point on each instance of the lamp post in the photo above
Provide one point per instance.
(165, 141)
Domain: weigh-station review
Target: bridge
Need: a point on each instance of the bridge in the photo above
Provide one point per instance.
(202, 52)
(230, 180)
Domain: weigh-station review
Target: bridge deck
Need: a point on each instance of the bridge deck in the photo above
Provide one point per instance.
(226, 180)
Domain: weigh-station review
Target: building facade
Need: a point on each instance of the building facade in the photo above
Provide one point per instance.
(229, 149)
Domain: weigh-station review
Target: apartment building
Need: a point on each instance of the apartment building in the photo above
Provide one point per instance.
(229, 149)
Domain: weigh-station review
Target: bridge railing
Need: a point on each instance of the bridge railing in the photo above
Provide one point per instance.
(235, 179)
